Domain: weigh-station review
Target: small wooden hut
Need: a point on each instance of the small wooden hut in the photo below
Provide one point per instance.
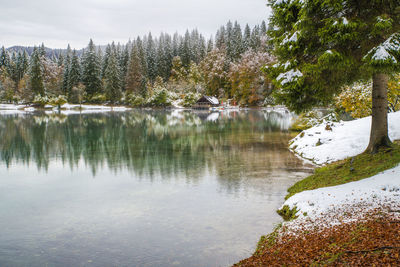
(206, 102)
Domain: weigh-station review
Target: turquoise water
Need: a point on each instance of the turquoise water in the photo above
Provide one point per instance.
(141, 188)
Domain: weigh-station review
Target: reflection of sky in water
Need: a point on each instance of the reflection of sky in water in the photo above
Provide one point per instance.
(144, 189)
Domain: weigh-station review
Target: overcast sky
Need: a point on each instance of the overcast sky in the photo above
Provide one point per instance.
(57, 23)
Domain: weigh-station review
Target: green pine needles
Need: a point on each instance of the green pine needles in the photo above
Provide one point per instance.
(323, 45)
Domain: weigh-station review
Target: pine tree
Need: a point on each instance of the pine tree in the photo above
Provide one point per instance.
(134, 76)
(112, 78)
(142, 56)
(168, 56)
(263, 28)
(91, 70)
(202, 48)
(229, 40)
(60, 60)
(220, 41)
(185, 51)
(4, 58)
(74, 72)
(105, 60)
(123, 63)
(66, 87)
(36, 73)
(255, 41)
(210, 45)
(236, 42)
(42, 50)
(151, 59)
(246, 38)
(350, 41)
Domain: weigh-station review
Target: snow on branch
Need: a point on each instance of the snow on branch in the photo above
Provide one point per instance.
(293, 38)
(289, 76)
(383, 52)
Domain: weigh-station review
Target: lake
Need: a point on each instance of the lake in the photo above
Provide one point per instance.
(141, 188)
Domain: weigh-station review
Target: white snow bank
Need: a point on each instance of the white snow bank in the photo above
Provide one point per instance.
(346, 139)
(94, 107)
(65, 109)
(11, 107)
(347, 202)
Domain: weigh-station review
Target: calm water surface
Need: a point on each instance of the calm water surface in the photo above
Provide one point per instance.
(141, 188)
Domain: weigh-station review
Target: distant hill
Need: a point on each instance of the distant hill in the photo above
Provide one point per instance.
(49, 51)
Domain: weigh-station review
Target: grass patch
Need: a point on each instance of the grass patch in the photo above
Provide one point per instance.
(288, 214)
(267, 241)
(352, 169)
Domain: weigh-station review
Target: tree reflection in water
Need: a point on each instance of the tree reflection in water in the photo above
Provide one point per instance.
(173, 144)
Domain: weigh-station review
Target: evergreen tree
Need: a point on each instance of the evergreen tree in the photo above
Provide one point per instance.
(60, 60)
(112, 78)
(105, 60)
(255, 41)
(142, 56)
(350, 41)
(151, 59)
(202, 48)
(220, 41)
(36, 73)
(236, 42)
(175, 45)
(168, 56)
(66, 86)
(210, 45)
(134, 76)
(160, 58)
(263, 28)
(91, 70)
(185, 51)
(229, 41)
(247, 38)
(4, 58)
(123, 63)
(74, 72)
(42, 50)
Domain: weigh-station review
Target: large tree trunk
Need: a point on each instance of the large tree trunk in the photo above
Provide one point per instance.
(379, 126)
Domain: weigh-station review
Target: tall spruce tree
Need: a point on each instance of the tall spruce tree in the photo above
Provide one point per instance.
(134, 76)
(151, 58)
(4, 58)
(36, 73)
(323, 45)
(66, 87)
(246, 38)
(105, 60)
(74, 72)
(185, 51)
(123, 63)
(91, 70)
(112, 77)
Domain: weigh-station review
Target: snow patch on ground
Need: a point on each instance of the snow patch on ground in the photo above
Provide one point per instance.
(345, 139)
(330, 206)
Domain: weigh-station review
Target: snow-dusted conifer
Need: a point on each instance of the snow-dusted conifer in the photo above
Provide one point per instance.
(91, 70)
(350, 41)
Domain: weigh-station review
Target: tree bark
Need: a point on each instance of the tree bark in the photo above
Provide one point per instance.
(379, 127)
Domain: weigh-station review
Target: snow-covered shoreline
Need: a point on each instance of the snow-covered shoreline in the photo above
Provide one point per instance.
(65, 109)
(329, 206)
(339, 140)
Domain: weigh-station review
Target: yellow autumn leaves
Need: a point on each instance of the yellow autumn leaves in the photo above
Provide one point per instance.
(357, 100)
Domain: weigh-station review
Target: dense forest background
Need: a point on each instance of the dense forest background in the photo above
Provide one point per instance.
(147, 71)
